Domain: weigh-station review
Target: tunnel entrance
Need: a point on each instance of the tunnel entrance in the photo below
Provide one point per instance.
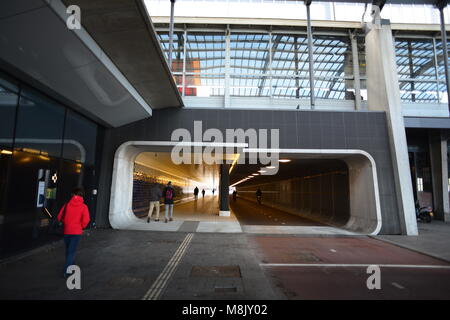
(303, 192)
(314, 191)
(156, 169)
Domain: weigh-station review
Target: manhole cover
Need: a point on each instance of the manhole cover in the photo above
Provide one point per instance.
(308, 257)
(126, 282)
(216, 271)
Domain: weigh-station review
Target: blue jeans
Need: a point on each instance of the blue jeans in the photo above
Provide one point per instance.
(71, 241)
(169, 207)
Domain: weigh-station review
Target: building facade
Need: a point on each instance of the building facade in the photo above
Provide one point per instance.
(73, 107)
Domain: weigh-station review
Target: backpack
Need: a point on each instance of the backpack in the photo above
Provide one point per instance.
(169, 194)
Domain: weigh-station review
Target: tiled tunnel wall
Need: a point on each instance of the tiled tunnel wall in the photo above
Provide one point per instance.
(142, 184)
(322, 197)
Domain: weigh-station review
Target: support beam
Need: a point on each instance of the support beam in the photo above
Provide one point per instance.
(439, 174)
(224, 186)
(310, 53)
(356, 72)
(172, 9)
(445, 47)
(227, 99)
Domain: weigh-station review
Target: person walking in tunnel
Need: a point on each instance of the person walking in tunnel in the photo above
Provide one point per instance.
(203, 193)
(168, 194)
(155, 196)
(234, 195)
(75, 217)
(196, 193)
(258, 195)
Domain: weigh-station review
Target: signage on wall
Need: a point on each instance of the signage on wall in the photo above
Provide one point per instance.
(41, 194)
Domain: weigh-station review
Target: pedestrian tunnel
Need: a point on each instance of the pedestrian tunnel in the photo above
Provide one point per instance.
(337, 188)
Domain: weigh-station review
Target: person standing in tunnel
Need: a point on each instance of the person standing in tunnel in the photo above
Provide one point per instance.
(258, 195)
(196, 193)
(203, 193)
(169, 194)
(155, 196)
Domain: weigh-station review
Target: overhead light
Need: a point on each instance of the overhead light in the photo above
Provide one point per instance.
(262, 171)
(284, 160)
(270, 167)
(255, 174)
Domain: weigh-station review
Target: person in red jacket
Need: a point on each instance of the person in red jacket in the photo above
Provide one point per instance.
(76, 218)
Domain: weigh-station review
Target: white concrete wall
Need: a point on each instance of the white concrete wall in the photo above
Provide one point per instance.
(384, 95)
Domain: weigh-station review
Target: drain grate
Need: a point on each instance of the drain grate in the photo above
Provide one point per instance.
(122, 282)
(225, 289)
(216, 271)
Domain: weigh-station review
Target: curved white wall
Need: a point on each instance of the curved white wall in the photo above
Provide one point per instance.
(365, 212)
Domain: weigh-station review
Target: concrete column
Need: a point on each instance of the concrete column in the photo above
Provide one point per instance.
(384, 95)
(439, 174)
(172, 10)
(226, 99)
(224, 185)
(310, 54)
(356, 75)
(441, 6)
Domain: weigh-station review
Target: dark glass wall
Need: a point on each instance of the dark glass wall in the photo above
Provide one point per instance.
(8, 104)
(46, 150)
(419, 160)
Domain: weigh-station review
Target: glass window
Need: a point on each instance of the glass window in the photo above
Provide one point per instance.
(8, 104)
(416, 70)
(250, 86)
(79, 139)
(205, 53)
(290, 55)
(290, 87)
(249, 53)
(200, 85)
(333, 67)
(177, 49)
(40, 125)
(332, 56)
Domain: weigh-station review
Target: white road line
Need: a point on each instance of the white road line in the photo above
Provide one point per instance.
(160, 283)
(324, 265)
(395, 284)
(332, 250)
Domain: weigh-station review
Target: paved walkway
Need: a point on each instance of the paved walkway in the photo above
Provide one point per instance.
(127, 264)
(202, 215)
(217, 266)
(433, 240)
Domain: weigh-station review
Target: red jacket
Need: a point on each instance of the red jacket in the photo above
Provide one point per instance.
(77, 216)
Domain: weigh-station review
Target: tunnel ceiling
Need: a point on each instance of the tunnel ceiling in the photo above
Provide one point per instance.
(204, 174)
(293, 169)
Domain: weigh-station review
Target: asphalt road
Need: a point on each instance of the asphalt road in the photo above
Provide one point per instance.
(251, 213)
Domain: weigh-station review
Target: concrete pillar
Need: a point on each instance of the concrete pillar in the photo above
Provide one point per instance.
(172, 10)
(439, 174)
(384, 95)
(224, 185)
